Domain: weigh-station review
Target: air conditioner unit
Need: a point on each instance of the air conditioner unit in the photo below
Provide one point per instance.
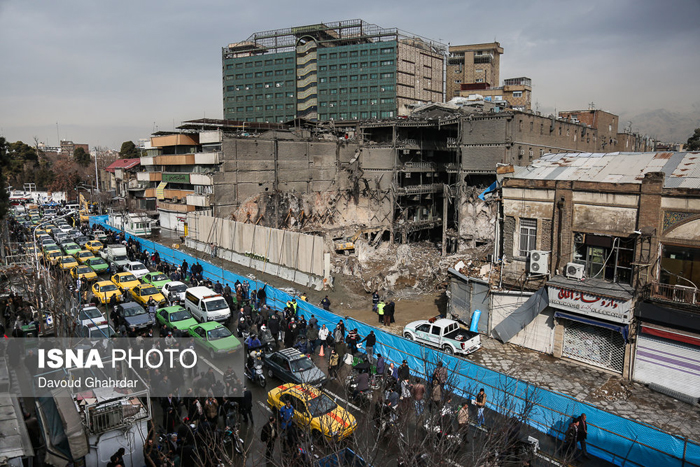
(539, 262)
(575, 270)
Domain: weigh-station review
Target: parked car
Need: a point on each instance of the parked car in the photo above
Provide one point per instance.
(215, 339)
(66, 263)
(96, 332)
(445, 334)
(314, 410)
(292, 366)
(94, 246)
(135, 316)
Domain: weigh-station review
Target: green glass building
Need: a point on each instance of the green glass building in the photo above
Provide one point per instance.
(346, 70)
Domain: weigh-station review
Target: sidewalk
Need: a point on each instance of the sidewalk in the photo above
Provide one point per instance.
(610, 392)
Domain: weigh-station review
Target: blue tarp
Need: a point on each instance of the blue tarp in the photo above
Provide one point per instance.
(611, 437)
(491, 188)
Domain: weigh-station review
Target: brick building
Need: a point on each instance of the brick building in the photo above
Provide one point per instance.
(472, 64)
(606, 246)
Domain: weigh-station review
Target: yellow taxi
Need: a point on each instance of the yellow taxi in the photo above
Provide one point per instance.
(39, 232)
(143, 292)
(314, 410)
(94, 246)
(83, 255)
(84, 273)
(52, 256)
(104, 290)
(67, 262)
(125, 280)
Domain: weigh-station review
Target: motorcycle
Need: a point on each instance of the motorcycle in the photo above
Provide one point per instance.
(254, 370)
(385, 419)
(363, 398)
(232, 445)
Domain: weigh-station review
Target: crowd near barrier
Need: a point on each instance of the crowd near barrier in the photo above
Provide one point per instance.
(611, 437)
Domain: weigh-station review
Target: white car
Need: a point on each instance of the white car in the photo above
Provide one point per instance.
(174, 291)
(90, 316)
(136, 268)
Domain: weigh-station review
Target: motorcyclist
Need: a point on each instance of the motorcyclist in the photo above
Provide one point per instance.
(265, 335)
(242, 326)
(362, 381)
(253, 342)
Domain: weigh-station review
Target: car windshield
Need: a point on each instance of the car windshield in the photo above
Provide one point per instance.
(149, 291)
(158, 277)
(180, 316)
(218, 304)
(68, 259)
(133, 311)
(218, 333)
(90, 313)
(121, 258)
(83, 270)
(108, 288)
(177, 288)
(96, 261)
(86, 254)
(127, 278)
(102, 331)
(302, 364)
(320, 405)
(71, 246)
(135, 266)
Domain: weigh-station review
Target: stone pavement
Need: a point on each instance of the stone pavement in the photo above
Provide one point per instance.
(596, 387)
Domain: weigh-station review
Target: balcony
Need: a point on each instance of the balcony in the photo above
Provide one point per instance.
(175, 207)
(673, 293)
(420, 189)
(136, 185)
(149, 176)
(207, 158)
(199, 200)
(201, 179)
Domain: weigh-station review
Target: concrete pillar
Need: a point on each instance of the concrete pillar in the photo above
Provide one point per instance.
(558, 345)
(562, 236)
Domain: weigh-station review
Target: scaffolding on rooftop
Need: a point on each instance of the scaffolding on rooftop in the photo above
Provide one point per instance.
(354, 31)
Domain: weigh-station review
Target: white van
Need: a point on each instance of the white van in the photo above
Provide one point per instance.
(206, 305)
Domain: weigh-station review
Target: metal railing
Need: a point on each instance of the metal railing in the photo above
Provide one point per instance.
(673, 293)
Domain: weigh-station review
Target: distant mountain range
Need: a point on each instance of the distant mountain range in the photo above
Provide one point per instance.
(664, 125)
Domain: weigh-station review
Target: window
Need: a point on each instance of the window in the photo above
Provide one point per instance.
(478, 70)
(388, 50)
(249, 75)
(458, 81)
(517, 94)
(608, 258)
(258, 63)
(343, 79)
(279, 106)
(343, 66)
(353, 53)
(387, 75)
(353, 101)
(268, 62)
(333, 79)
(364, 53)
(353, 78)
(323, 56)
(334, 91)
(249, 108)
(528, 236)
(269, 107)
(354, 65)
(322, 80)
(322, 68)
(343, 55)
(353, 90)
(343, 90)
(278, 61)
(389, 100)
(333, 55)
(258, 85)
(288, 71)
(289, 60)
(373, 52)
(269, 73)
(386, 62)
(229, 67)
(479, 80)
(373, 64)
(239, 76)
(363, 77)
(333, 67)
(249, 65)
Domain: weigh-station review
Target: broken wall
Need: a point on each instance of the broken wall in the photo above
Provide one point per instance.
(477, 219)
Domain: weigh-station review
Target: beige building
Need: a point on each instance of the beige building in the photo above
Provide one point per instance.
(475, 63)
(517, 92)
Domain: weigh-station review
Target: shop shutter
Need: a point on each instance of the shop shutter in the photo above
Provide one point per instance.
(674, 365)
(594, 345)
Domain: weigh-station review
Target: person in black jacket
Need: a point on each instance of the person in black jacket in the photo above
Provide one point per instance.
(246, 405)
(269, 436)
(370, 342)
(404, 371)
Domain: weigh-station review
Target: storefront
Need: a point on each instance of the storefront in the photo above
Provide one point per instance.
(667, 353)
(594, 318)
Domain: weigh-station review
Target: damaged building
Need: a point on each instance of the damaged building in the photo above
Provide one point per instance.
(596, 263)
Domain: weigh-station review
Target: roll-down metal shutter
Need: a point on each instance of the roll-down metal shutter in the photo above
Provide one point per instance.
(675, 365)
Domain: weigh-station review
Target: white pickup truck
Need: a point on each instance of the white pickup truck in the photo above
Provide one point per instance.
(444, 334)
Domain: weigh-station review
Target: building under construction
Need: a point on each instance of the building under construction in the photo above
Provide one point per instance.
(346, 70)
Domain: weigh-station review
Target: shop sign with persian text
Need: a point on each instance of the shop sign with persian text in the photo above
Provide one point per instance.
(592, 305)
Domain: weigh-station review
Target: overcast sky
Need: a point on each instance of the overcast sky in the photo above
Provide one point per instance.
(110, 71)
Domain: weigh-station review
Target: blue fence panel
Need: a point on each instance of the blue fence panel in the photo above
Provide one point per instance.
(613, 438)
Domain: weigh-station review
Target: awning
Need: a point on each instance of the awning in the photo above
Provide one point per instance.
(622, 329)
(528, 311)
(160, 190)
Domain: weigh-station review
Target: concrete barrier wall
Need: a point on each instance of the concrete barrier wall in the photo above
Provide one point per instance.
(292, 250)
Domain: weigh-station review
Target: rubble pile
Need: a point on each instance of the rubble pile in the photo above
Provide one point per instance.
(403, 271)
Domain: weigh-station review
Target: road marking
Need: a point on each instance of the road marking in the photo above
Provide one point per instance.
(264, 406)
(212, 366)
(337, 398)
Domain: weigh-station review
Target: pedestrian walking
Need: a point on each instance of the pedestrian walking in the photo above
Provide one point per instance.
(435, 397)
(246, 405)
(570, 440)
(480, 404)
(583, 434)
(463, 422)
(269, 435)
